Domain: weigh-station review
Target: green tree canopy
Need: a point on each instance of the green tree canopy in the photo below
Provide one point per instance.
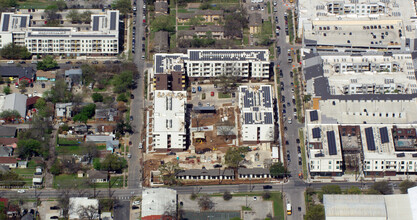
(169, 171)
(10, 115)
(354, 190)
(29, 147)
(74, 16)
(80, 118)
(122, 82)
(86, 16)
(234, 156)
(7, 90)
(59, 92)
(382, 187)
(61, 5)
(163, 23)
(113, 162)
(278, 170)
(405, 185)
(97, 97)
(315, 212)
(124, 6)
(47, 63)
(15, 52)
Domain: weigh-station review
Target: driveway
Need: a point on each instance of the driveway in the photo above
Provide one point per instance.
(260, 208)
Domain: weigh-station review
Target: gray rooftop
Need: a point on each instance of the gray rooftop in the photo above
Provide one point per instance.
(16, 101)
(7, 131)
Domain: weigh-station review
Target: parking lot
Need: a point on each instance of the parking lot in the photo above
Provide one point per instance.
(207, 95)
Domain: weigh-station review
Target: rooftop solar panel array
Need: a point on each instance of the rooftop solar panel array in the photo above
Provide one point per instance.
(96, 21)
(51, 29)
(370, 141)
(6, 22)
(161, 63)
(113, 21)
(314, 115)
(227, 55)
(267, 96)
(316, 132)
(331, 140)
(248, 118)
(23, 21)
(268, 118)
(384, 135)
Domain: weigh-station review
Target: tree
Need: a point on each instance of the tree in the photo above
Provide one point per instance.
(10, 115)
(87, 112)
(163, 23)
(80, 118)
(90, 150)
(234, 156)
(205, 6)
(43, 108)
(74, 16)
(124, 6)
(382, 187)
(23, 84)
(7, 90)
(52, 17)
(266, 195)
(58, 93)
(169, 171)
(278, 170)
(405, 185)
(87, 212)
(121, 97)
(331, 189)
(354, 190)
(114, 163)
(97, 163)
(61, 5)
(315, 212)
(15, 52)
(227, 195)
(86, 16)
(229, 83)
(47, 63)
(88, 73)
(266, 40)
(4, 4)
(235, 22)
(29, 148)
(122, 82)
(56, 167)
(195, 21)
(205, 202)
(97, 97)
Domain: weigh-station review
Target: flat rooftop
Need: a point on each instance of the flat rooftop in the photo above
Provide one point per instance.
(324, 141)
(256, 104)
(228, 55)
(168, 62)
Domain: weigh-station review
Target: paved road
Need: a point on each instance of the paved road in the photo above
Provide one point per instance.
(293, 195)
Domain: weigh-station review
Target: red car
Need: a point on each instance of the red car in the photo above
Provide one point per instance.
(144, 20)
(212, 93)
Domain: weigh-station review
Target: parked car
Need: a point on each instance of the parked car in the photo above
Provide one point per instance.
(299, 149)
(217, 165)
(267, 187)
(193, 90)
(10, 62)
(199, 88)
(212, 93)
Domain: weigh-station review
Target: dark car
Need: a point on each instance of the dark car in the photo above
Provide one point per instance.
(171, 153)
(68, 62)
(107, 62)
(287, 143)
(291, 74)
(284, 111)
(217, 165)
(282, 98)
(284, 106)
(297, 140)
(278, 49)
(300, 161)
(285, 128)
(267, 187)
(299, 149)
(79, 62)
(132, 96)
(22, 62)
(299, 208)
(131, 118)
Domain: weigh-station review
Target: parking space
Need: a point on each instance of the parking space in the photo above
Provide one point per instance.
(208, 95)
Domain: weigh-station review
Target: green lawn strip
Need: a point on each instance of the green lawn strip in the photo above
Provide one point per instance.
(244, 208)
(69, 179)
(35, 4)
(32, 164)
(297, 96)
(303, 152)
(184, 10)
(268, 5)
(266, 28)
(26, 171)
(224, 1)
(76, 149)
(183, 27)
(271, 52)
(173, 41)
(115, 182)
(290, 26)
(224, 95)
(68, 141)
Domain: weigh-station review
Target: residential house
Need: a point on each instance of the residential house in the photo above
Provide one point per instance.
(255, 23)
(215, 31)
(98, 139)
(63, 110)
(22, 164)
(30, 102)
(20, 73)
(107, 114)
(37, 180)
(78, 203)
(161, 41)
(80, 129)
(208, 16)
(6, 151)
(112, 145)
(4, 169)
(97, 176)
(15, 101)
(11, 162)
(161, 8)
(8, 141)
(46, 75)
(75, 75)
(7, 132)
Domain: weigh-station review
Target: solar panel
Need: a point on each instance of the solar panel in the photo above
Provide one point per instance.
(316, 132)
(267, 94)
(248, 118)
(113, 21)
(268, 118)
(6, 22)
(314, 116)
(331, 140)
(370, 141)
(23, 22)
(95, 23)
(384, 135)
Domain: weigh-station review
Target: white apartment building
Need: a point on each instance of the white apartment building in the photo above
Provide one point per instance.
(380, 134)
(169, 126)
(99, 38)
(257, 115)
(357, 26)
(212, 63)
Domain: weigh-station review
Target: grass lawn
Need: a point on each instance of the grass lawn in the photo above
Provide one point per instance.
(36, 4)
(173, 41)
(76, 149)
(224, 1)
(303, 152)
(116, 182)
(224, 95)
(183, 10)
(266, 28)
(268, 5)
(183, 27)
(27, 171)
(65, 179)
(244, 208)
(68, 141)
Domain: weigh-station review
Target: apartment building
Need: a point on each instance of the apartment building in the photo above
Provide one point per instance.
(372, 137)
(169, 125)
(349, 74)
(212, 63)
(99, 38)
(257, 114)
(357, 26)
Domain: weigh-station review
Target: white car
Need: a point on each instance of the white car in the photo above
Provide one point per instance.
(21, 191)
(134, 8)
(136, 203)
(10, 62)
(289, 121)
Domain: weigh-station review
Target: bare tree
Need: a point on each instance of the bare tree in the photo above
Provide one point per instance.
(205, 202)
(90, 150)
(171, 210)
(64, 202)
(88, 212)
(225, 129)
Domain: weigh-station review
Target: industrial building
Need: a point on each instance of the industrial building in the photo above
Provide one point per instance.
(158, 203)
